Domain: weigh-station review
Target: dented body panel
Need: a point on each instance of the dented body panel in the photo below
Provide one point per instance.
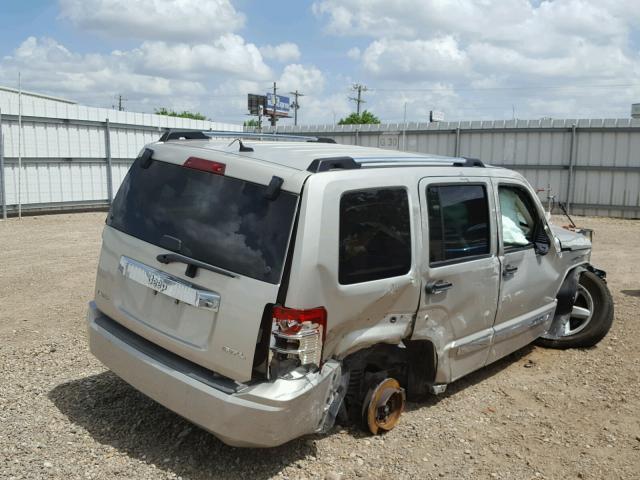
(214, 362)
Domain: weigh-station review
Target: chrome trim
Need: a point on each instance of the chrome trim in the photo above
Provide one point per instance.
(293, 352)
(520, 327)
(296, 336)
(262, 136)
(171, 287)
(471, 346)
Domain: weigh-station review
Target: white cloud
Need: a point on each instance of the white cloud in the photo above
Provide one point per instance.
(284, 52)
(228, 54)
(354, 53)
(308, 80)
(180, 20)
(469, 58)
(146, 75)
(399, 58)
(210, 78)
(456, 46)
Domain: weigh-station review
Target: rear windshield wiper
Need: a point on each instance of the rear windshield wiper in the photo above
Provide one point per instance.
(192, 265)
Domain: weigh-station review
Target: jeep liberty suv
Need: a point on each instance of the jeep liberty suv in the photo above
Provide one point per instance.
(264, 289)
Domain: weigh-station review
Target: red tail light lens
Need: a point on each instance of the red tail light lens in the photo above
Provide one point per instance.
(205, 165)
(291, 320)
(300, 333)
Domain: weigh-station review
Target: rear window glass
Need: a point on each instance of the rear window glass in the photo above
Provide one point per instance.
(220, 220)
(375, 235)
(458, 222)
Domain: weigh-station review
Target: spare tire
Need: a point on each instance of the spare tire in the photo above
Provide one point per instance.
(590, 319)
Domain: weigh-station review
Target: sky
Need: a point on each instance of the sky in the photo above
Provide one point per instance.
(469, 59)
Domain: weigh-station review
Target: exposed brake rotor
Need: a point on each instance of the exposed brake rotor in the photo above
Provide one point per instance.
(383, 406)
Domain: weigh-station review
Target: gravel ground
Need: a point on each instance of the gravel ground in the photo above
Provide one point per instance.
(536, 414)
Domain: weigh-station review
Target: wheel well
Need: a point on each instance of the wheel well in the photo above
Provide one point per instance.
(567, 293)
(413, 364)
(423, 363)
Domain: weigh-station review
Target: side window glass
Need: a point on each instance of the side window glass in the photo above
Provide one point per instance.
(458, 222)
(519, 216)
(375, 235)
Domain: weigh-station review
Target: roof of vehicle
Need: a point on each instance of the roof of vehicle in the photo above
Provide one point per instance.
(299, 155)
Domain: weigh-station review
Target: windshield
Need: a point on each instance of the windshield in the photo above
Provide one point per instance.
(219, 220)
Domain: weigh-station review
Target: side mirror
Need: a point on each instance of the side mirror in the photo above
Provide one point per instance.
(541, 241)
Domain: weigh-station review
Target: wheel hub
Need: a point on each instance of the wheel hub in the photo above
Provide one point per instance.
(581, 313)
(384, 405)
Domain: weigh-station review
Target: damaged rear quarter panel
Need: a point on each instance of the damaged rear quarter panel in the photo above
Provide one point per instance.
(361, 314)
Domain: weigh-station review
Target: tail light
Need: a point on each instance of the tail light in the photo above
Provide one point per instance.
(299, 334)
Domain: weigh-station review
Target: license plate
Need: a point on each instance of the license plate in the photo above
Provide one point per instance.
(168, 285)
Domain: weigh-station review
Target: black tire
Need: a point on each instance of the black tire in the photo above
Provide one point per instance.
(600, 322)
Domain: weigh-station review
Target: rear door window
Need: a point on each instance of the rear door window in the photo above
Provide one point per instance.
(458, 222)
(219, 220)
(375, 235)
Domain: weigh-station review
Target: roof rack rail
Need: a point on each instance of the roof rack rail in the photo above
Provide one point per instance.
(332, 163)
(205, 134)
(323, 140)
(182, 135)
(470, 162)
(380, 162)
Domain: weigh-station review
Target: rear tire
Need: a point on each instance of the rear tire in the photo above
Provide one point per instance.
(594, 297)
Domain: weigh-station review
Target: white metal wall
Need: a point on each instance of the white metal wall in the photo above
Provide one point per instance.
(64, 149)
(592, 164)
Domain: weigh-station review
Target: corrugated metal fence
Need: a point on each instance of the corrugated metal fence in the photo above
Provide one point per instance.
(74, 157)
(592, 165)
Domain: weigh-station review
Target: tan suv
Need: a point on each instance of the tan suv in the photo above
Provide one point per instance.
(263, 289)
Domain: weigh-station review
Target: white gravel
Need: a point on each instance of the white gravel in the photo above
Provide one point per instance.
(536, 414)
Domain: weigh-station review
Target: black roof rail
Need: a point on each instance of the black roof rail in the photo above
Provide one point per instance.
(323, 140)
(184, 134)
(177, 134)
(333, 163)
(469, 162)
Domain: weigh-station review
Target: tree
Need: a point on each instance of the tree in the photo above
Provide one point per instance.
(355, 119)
(252, 123)
(183, 114)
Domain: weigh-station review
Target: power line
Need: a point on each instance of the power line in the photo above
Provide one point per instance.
(520, 87)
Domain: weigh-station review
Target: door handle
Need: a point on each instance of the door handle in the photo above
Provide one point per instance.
(509, 270)
(437, 286)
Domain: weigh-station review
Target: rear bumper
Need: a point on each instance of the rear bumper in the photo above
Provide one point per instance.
(266, 414)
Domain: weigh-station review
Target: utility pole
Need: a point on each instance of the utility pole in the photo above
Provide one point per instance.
(120, 99)
(260, 112)
(359, 88)
(275, 100)
(296, 105)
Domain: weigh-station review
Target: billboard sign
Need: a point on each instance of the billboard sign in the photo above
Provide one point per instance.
(282, 105)
(436, 116)
(255, 103)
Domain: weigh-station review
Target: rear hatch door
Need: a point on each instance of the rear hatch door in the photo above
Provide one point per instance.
(191, 256)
